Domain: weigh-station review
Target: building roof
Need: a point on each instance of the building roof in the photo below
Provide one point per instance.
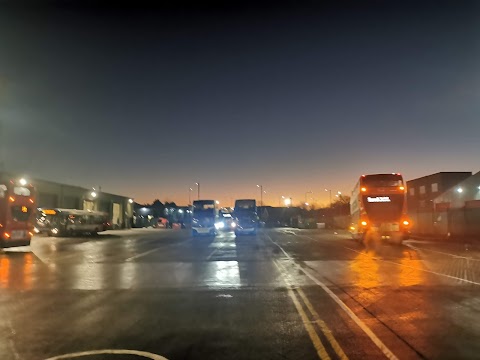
(465, 173)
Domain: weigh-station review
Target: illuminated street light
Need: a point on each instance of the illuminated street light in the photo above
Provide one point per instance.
(288, 201)
(93, 194)
(306, 204)
(217, 202)
(198, 190)
(308, 192)
(130, 201)
(261, 194)
(459, 190)
(330, 191)
(22, 182)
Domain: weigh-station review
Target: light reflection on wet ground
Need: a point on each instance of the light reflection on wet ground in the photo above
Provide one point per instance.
(392, 283)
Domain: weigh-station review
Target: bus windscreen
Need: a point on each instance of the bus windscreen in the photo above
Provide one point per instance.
(384, 180)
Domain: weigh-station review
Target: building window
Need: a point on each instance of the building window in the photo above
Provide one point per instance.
(412, 191)
(422, 190)
(434, 187)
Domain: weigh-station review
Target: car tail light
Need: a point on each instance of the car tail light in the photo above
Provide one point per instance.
(406, 222)
(402, 187)
(7, 235)
(11, 198)
(364, 189)
(364, 223)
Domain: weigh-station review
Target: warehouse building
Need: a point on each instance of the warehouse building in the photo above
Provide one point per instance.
(421, 195)
(457, 210)
(51, 194)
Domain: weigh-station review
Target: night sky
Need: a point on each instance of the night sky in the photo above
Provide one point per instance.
(147, 100)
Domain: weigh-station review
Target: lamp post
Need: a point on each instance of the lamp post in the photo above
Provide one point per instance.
(330, 191)
(190, 196)
(308, 192)
(261, 194)
(198, 190)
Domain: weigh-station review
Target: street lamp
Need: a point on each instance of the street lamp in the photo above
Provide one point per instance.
(308, 192)
(330, 191)
(288, 201)
(261, 194)
(130, 201)
(190, 195)
(198, 190)
(93, 194)
(22, 182)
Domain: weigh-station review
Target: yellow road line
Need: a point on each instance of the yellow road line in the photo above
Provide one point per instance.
(321, 324)
(317, 343)
(375, 339)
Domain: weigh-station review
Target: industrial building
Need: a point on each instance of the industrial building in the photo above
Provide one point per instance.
(457, 210)
(50, 194)
(421, 199)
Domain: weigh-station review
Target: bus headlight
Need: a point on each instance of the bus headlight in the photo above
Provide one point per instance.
(219, 225)
(233, 225)
(55, 231)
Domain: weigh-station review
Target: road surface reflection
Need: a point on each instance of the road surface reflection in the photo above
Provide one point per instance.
(16, 271)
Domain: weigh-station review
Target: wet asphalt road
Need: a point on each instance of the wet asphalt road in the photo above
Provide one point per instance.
(283, 294)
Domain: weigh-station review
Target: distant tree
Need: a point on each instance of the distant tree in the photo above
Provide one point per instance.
(157, 208)
(341, 206)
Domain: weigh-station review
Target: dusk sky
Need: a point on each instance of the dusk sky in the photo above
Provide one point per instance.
(147, 101)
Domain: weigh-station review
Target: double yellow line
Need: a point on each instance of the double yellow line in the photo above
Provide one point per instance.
(308, 323)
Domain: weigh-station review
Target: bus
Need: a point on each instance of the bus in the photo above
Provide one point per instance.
(61, 222)
(205, 217)
(17, 206)
(379, 206)
(246, 217)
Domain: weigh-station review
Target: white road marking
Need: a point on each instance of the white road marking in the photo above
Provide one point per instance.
(141, 254)
(386, 351)
(11, 342)
(212, 253)
(153, 250)
(443, 253)
(144, 354)
(417, 268)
